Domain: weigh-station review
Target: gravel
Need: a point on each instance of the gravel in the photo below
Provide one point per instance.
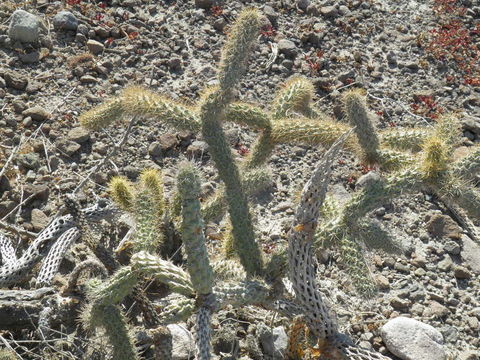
(47, 79)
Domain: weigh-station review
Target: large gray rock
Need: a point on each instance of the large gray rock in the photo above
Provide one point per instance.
(182, 341)
(24, 27)
(470, 254)
(410, 339)
(65, 20)
(287, 47)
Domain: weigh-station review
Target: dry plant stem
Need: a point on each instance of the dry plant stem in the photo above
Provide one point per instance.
(17, 230)
(10, 158)
(300, 254)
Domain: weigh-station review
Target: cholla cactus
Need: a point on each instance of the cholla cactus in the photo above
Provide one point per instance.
(207, 119)
(433, 171)
(318, 316)
(145, 205)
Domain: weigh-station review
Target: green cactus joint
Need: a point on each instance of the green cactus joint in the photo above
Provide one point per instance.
(357, 113)
(116, 328)
(212, 110)
(198, 264)
(295, 96)
(121, 191)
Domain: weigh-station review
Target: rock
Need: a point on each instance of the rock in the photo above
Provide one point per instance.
(452, 247)
(15, 80)
(6, 207)
(472, 124)
(41, 192)
(368, 179)
(155, 149)
(461, 272)
(78, 135)
(412, 65)
(287, 47)
(445, 264)
(347, 76)
(470, 254)
(27, 122)
(204, 4)
(29, 161)
(38, 219)
(280, 341)
(410, 339)
(340, 194)
(88, 79)
(436, 309)
(167, 141)
(65, 20)
(220, 24)
(283, 206)
(18, 106)
(37, 113)
(419, 261)
(95, 47)
(4, 184)
(329, 11)
(391, 58)
(197, 148)
(24, 27)
(68, 147)
(313, 10)
(273, 343)
(399, 304)
(469, 355)
(271, 14)
(182, 341)
(30, 58)
(175, 64)
(303, 4)
(382, 282)
(443, 226)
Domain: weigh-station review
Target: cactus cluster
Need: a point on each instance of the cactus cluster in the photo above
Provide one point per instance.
(413, 159)
(423, 161)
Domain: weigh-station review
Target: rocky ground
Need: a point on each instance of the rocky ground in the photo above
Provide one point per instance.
(67, 62)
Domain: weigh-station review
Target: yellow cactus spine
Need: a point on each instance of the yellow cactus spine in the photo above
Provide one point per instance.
(121, 191)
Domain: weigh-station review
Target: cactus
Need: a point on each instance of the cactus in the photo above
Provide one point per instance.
(295, 96)
(199, 268)
(318, 316)
(116, 328)
(121, 191)
(357, 113)
(211, 111)
(145, 204)
(406, 139)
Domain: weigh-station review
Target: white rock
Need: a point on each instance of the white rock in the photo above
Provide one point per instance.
(410, 339)
(182, 341)
(471, 254)
(95, 47)
(280, 341)
(24, 27)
